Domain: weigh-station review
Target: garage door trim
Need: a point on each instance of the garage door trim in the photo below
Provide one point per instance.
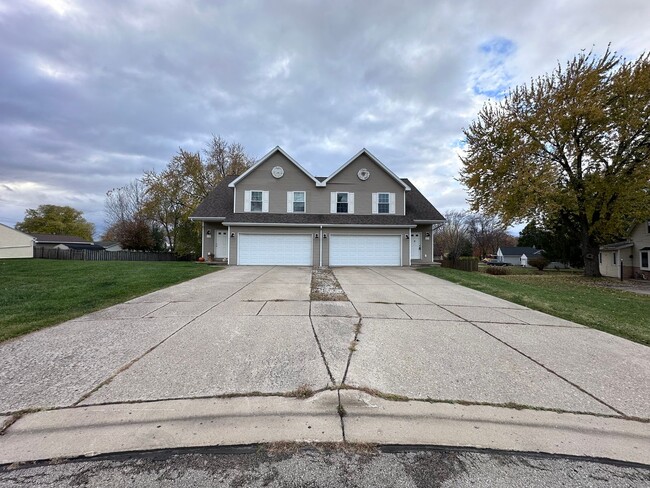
(399, 236)
(311, 248)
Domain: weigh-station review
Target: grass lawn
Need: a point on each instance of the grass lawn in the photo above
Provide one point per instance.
(35, 293)
(566, 295)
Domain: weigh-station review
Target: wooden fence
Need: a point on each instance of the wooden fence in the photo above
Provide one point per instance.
(463, 264)
(84, 255)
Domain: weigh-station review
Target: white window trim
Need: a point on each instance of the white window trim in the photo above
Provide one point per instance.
(248, 195)
(391, 203)
(641, 260)
(334, 202)
(291, 195)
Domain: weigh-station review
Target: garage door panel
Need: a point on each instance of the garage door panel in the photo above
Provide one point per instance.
(365, 250)
(275, 249)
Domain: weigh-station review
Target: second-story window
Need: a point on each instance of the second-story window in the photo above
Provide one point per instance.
(298, 201)
(341, 203)
(383, 203)
(256, 201)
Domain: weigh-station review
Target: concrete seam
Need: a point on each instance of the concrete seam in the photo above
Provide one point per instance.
(322, 353)
(407, 314)
(552, 372)
(402, 286)
(135, 360)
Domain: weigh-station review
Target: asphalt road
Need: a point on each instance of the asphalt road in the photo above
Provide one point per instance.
(288, 466)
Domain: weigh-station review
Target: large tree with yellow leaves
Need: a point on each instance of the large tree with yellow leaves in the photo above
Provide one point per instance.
(574, 141)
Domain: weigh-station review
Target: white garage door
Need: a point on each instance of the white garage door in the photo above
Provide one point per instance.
(365, 250)
(275, 249)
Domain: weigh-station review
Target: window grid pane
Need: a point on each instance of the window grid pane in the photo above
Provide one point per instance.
(298, 206)
(341, 198)
(383, 208)
(298, 196)
(341, 208)
(384, 198)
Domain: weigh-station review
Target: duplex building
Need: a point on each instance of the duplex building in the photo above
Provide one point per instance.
(277, 213)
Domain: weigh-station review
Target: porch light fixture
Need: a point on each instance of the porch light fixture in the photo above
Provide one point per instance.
(316, 235)
(428, 234)
(406, 236)
(232, 235)
(324, 236)
(208, 233)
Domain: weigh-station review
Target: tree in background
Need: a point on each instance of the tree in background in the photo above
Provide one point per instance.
(575, 141)
(54, 219)
(559, 239)
(487, 233)
(126, 222)
(471, 234)
(170, 197)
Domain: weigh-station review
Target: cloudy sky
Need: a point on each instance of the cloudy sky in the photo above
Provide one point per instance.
(94, 92)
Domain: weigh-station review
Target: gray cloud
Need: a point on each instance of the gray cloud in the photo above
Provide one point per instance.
(94, 93)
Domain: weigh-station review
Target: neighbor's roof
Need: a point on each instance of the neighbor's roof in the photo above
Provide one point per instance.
(58, 239)
(518, 251)
(85, 247)
(218, 205)
(615, 246)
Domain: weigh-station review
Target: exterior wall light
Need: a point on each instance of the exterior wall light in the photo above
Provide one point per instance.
(406, 236)
(324, 236)
(316, 235)
(232, 235)
(208, 233)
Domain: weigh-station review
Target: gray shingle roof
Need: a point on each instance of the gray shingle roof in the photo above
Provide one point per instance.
(58, 239)
(218, 204)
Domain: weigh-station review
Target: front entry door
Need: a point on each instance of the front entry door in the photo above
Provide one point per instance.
(416, 245)
(221, 244)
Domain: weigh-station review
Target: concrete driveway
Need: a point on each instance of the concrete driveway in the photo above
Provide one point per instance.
(247, 340)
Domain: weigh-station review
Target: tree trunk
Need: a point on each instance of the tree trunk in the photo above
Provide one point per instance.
(590, 250)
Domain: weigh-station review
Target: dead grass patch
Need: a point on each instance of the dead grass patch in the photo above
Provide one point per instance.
(325, 287)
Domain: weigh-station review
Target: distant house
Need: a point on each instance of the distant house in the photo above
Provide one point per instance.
(49, 241)
(15, 244)
(80, 247)
(517, 256)
(110, 245)
(633, 252)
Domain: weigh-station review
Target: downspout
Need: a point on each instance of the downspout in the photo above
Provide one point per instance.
(228, 237)
(203, 238)
(409, 244)
(432, 255)
(320, 251)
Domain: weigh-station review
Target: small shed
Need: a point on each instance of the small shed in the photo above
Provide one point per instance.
(15, 244)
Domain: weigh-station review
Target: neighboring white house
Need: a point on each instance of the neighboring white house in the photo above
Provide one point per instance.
(634, 252)
(15, 244)
(517, 256)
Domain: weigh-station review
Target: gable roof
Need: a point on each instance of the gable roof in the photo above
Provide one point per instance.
(217, 206)
(58, 239)
(276, 149)
(518, 251)
(374, 160)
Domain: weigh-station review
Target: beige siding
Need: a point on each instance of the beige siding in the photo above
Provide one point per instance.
(347, 181)
(641, 239)
(318, 198)
(293, 180)
(15, 244)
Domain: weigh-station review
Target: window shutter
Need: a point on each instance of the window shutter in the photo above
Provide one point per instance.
(289, 202)
(351, 203)
(265, 201)
(333, 202)
(391, 199)
(375, 203)
(247, 201)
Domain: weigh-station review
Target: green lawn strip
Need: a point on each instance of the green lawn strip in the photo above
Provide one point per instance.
(568, 296)
(36, 293)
